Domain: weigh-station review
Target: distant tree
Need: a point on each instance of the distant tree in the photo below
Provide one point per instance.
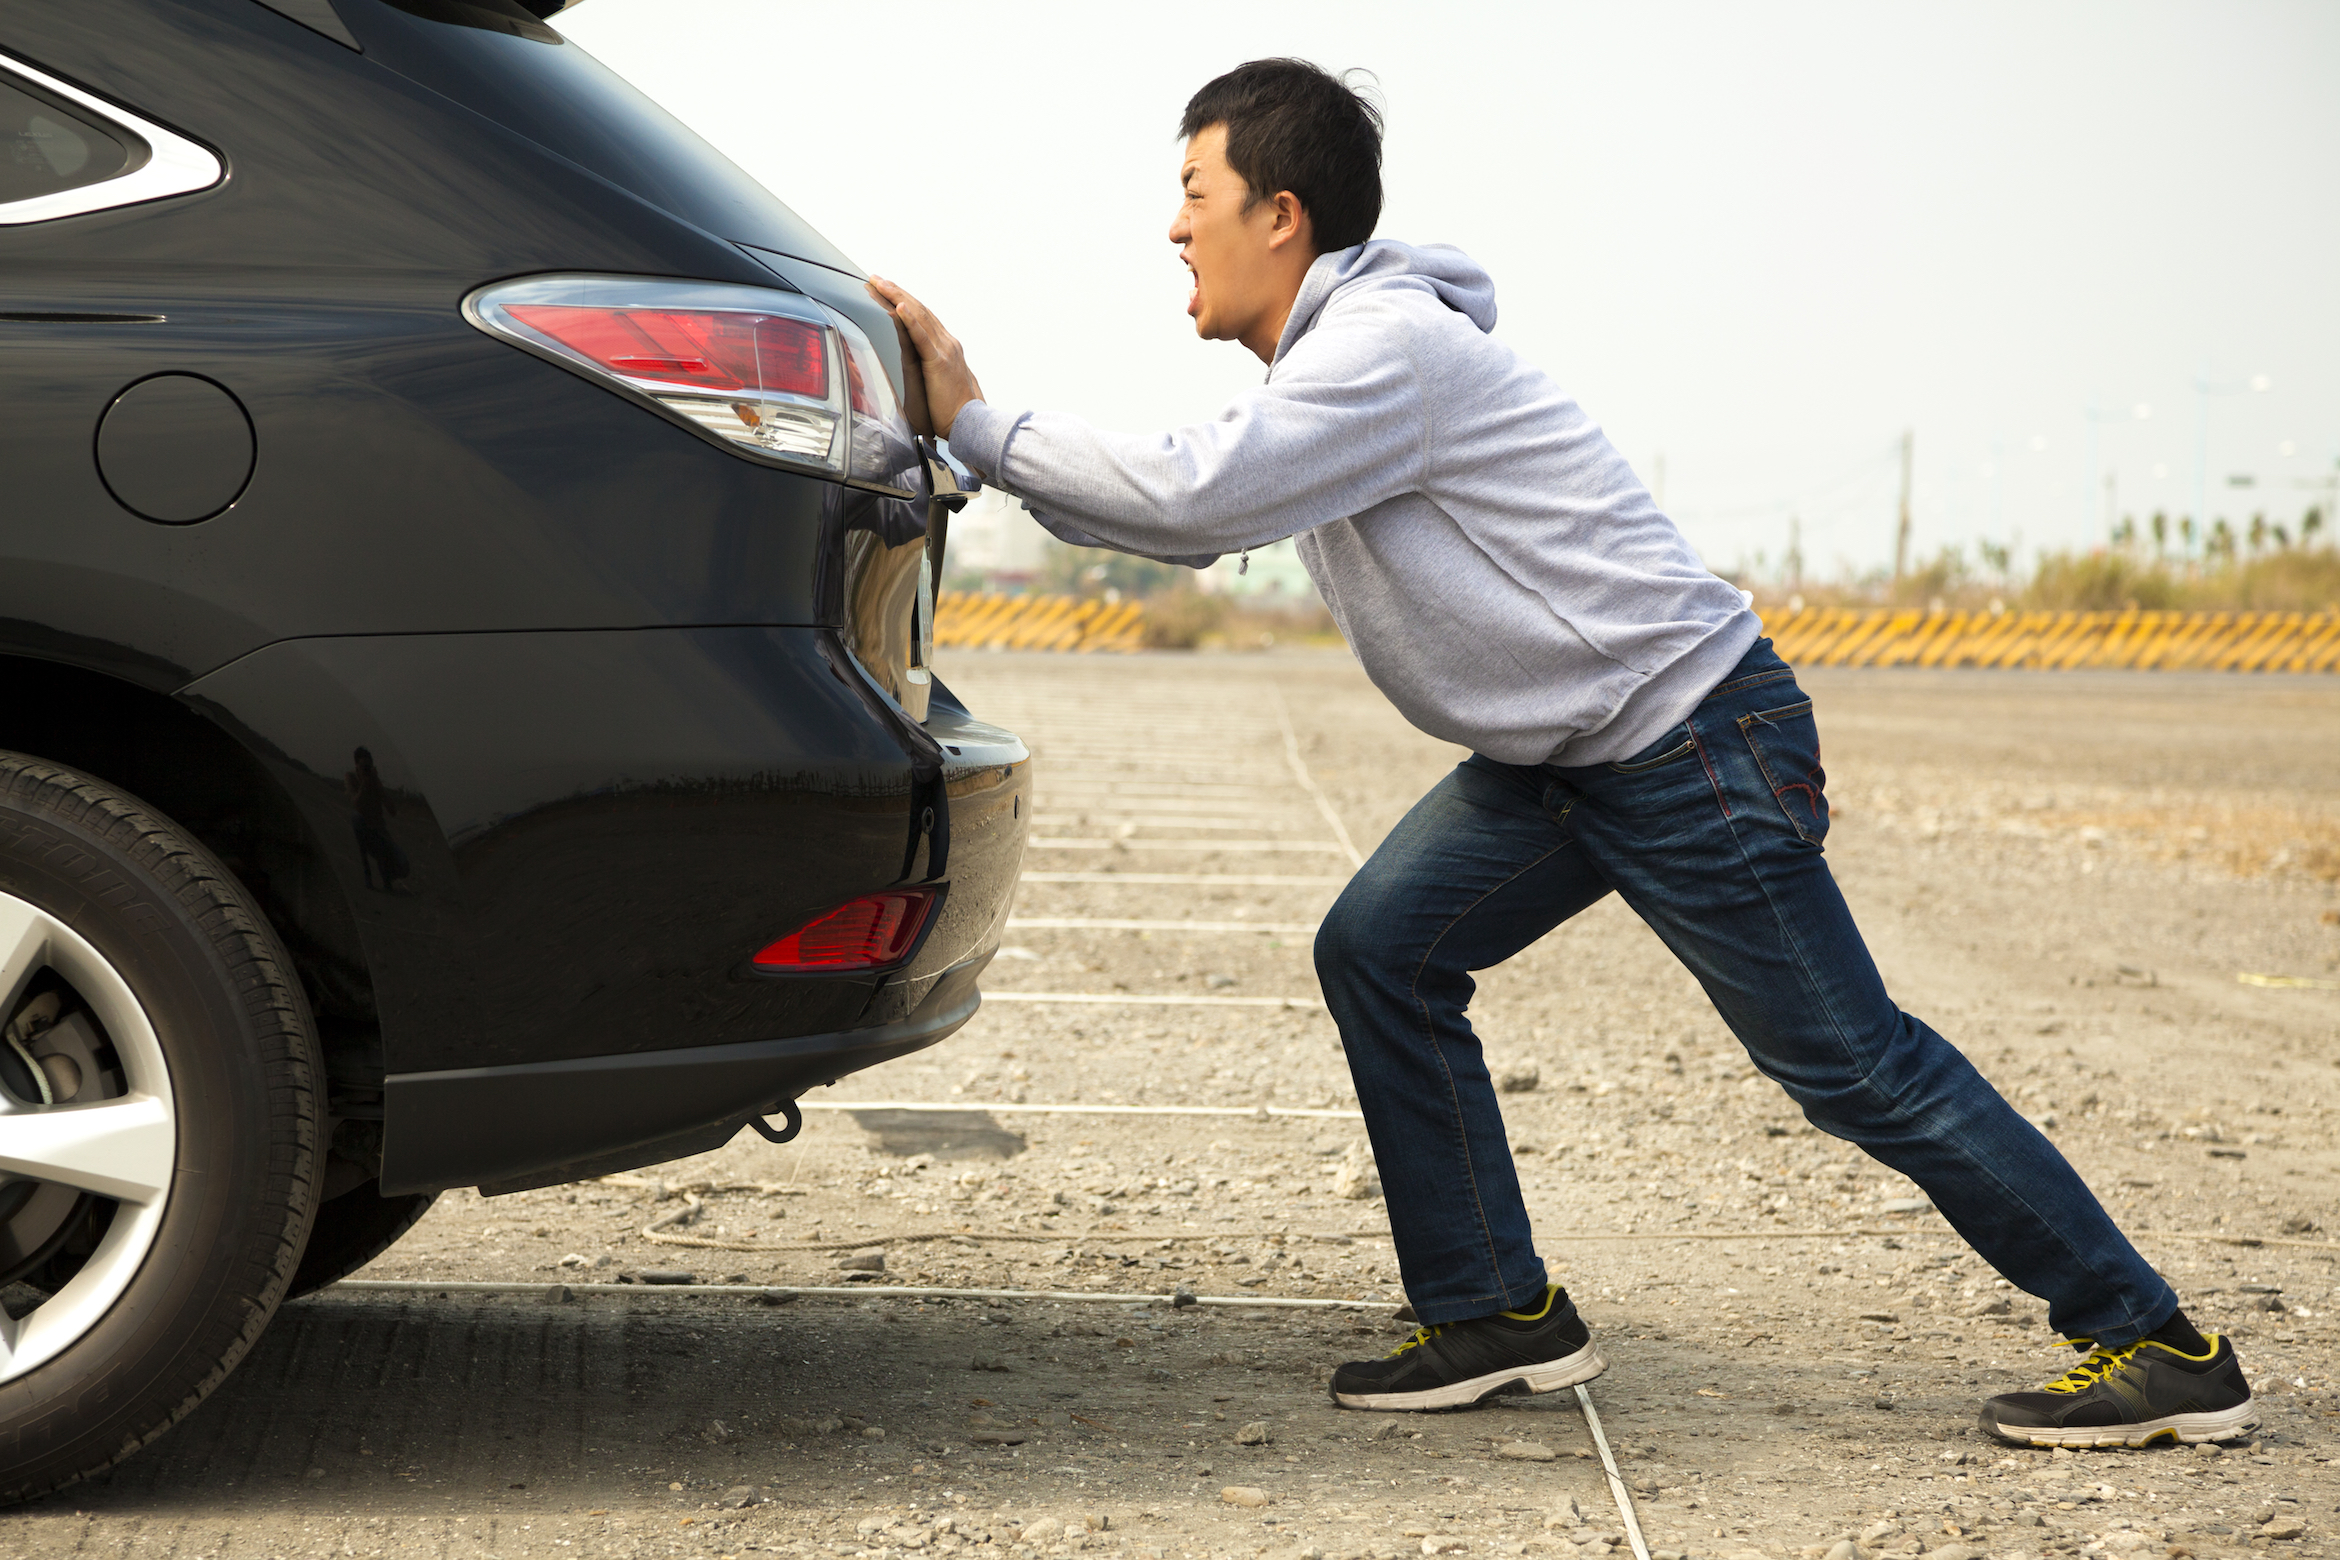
(2160, 532)
(2311, 523)
(2125, 534)
(2258, 532)
(2222, 540)
(1083, 571)
(2186, 531)
(2282, 538)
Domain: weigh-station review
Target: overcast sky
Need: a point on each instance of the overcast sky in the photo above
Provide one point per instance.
(1761, 240)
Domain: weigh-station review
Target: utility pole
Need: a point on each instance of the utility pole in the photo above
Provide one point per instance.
(2101, 483)
(2204, 388)
(1901, 536)
(1998, 486)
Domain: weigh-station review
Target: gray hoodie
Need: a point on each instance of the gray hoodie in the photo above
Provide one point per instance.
(1494, 563)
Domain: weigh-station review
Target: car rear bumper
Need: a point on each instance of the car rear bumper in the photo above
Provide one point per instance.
(560, 853)
(506, 1129)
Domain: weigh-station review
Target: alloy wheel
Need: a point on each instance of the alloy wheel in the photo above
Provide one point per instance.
(88, 1136)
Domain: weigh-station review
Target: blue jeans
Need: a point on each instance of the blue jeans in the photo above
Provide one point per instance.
(1712, 834)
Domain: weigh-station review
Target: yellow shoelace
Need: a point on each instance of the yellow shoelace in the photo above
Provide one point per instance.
(2099, 1364)
(1423, 1335)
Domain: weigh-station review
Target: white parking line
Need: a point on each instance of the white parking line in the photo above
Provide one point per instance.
(1142, 792)
(1077, 771)
(1146, 790)
(1116, 924)
(1128, 999)
(1617, 1490)
(1164, 809)
(995, 1108)
(1136, 796)
(1086, 824)
(1249, 880)
(1158, 828)
(1114, 817)
(1308, 781)
(1059, 842)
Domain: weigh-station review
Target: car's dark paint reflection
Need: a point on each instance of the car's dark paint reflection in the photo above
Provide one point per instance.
(631, 706)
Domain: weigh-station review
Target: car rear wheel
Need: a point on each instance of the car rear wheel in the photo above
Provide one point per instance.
(159, 1123)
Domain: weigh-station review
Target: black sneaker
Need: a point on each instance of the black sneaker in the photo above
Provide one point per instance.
(2130, 1396)
(1457, 1364)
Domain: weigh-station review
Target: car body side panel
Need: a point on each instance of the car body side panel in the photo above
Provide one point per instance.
(615, 740)
(321, 283)
(334, 162)
(590, 834)
(391, 441)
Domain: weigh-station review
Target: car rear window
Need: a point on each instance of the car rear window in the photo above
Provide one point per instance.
(497, 60)
(46, 147)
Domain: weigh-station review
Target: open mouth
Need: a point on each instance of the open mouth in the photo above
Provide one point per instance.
(1193, 291)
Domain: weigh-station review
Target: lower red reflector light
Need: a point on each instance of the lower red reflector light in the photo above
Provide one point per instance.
(865, 934)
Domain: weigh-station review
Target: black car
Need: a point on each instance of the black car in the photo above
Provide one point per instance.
(466, 577)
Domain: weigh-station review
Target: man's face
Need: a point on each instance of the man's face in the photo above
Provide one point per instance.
(1228, 242)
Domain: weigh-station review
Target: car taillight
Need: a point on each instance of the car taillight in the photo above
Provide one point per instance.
(772, 374)
(868, 933)
(710, 351)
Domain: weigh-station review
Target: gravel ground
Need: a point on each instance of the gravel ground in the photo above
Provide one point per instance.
(2067, 874)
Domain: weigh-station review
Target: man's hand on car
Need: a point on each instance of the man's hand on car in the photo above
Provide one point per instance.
(950, 384)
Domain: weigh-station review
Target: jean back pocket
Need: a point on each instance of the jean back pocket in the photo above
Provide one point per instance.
(1786, 745)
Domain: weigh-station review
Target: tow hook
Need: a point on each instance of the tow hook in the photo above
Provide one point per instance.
(795, 1125)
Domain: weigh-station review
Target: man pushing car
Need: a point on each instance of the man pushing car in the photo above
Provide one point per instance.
(1512, 587)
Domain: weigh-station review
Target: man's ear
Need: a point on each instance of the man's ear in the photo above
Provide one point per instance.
(1290, 222)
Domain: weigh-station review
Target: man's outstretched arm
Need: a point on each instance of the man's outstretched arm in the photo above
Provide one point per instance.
(1340, 430)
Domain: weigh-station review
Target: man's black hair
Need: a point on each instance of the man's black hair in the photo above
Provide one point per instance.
(1296, 126)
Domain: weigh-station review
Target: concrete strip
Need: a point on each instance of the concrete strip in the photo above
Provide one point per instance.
(458, 1286)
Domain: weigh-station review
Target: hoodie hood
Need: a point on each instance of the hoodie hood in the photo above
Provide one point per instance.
(1442, 270)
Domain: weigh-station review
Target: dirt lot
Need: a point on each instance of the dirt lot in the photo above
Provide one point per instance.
(2066, 874)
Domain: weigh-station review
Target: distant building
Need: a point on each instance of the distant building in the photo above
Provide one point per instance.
(996, 545)
(1275, 573)
(995, 539)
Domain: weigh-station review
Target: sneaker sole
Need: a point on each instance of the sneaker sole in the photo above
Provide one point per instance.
(2181, 1429)
(1552, 1376)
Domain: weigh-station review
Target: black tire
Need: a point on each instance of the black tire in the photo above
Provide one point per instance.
(351, 1231)
(228, 1020)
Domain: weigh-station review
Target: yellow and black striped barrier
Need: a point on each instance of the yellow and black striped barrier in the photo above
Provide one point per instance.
(972, 620)
(2134, 640)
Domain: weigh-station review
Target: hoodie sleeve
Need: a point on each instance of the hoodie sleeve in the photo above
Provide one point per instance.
(1338, 429)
